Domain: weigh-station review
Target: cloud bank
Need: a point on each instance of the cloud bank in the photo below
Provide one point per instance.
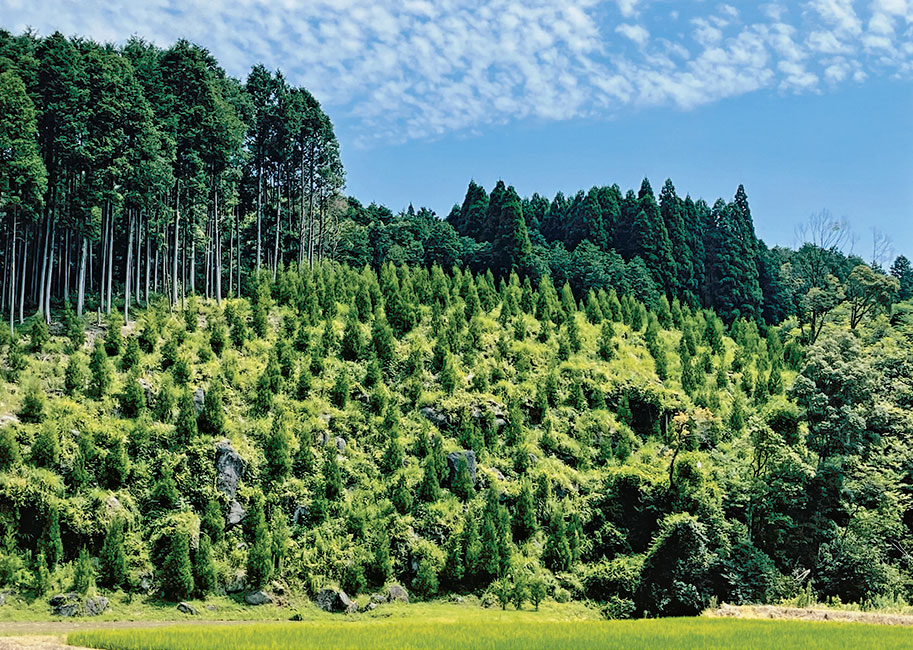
(421, 69)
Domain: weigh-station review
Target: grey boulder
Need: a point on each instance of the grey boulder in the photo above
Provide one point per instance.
(187, 608)
(335, 601)
(258, 598)
(396, 593)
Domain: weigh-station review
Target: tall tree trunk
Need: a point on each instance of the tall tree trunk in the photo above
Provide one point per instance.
(311, 208)
(278, 228)
(174, 272)
(13, 279)
(259, 209)
(128, 277)
(217, 239)
(46, 307)
(238, 252)
(25, 256)
(110, 258)
(148, 259)
(81, 296)
(44, 259)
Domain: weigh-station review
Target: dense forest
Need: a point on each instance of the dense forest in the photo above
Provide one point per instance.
(612, 397)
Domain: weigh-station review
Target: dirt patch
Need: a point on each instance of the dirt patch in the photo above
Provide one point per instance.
(808, 614)
(34, 643)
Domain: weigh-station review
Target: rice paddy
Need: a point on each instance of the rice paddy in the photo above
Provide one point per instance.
(479, 629)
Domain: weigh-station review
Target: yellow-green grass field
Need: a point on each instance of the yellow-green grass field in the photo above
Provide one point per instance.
(475, 628)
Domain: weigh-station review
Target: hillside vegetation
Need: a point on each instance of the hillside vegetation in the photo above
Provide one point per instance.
(457, 434)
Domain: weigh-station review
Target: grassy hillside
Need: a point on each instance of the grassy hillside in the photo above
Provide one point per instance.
(445, 432)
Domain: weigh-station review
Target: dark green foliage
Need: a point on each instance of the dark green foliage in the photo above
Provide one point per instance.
(100, 372)
(259, 554)
(116, 465)
(112, 570)
(212, 523)
(50, 545)
(430, 487)
(204, 569)
(10, 451)
(132, 354)
(84, 574)
(332, 475)
(462, 484)
(525, 515)
(401, 495)
(133, 397)
(165, 492)
(185, 429)
(75, 375)
(676, 569)
(176, 572)
(339, 393)
(557, 552)
(38, 333)
(211, 421)
(46, 448)
(277, 448)
(113, 340)
(32, 408)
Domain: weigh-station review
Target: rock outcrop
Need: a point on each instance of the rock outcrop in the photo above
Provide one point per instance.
(230, 469)
(335, 601)
(453, 464)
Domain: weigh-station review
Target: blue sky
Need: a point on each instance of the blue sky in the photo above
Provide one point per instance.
(808, 103)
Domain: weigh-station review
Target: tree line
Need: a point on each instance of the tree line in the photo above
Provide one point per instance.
(133, 170)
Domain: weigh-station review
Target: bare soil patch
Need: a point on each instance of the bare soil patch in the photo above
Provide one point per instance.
(808, 614)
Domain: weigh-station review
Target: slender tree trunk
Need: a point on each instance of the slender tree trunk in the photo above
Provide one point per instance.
(44, 259)
(174, 273)
(128, 277)
(218, 250)
(110, 258)
(13, 279)
(81, 296)
(148, 259)
(311, 208)
(25, 256)
(46, 307)
(259, 208)
(278, 227)
(238, 252)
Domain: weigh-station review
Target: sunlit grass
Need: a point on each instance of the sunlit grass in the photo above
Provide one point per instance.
(463, 627)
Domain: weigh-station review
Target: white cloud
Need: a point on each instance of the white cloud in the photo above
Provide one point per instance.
(636, 33)
(420, 68)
